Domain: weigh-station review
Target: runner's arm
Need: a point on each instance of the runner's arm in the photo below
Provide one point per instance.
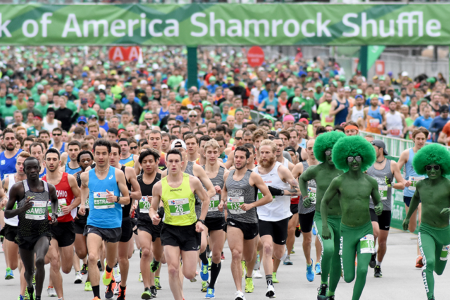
(298, 170)
(201, 174)
(84, 189)
(137, 167)
(414, 202)
(376, 196)
(306, 176)
(76, 193)
(230, 160)
(224, 193)
(132, 179)
(400, 184)
(15, 194)
(202, 194)
(287, 177)
(156, 198)
(121, 183)
(54, 201)
(256, 180)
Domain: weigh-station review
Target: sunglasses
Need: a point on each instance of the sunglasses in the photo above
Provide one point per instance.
(193, 116)
(328, 152)
(436, 168)
(133, 148)
(56, 134)
(238, 138)
(148, 119)
(351, 158)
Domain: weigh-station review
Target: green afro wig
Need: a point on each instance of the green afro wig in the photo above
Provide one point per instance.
(432, 154)
(326, 141)
(353, 146)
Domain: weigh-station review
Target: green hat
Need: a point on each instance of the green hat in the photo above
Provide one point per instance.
(206, 103)
(212, 78)
(308, 79)
(324, 142)
(431, 80)
(317, 70)
(353, 146)
(85, 68)
(334, 83)
(239, 109)
(308, 69)
(373, 96)
(126, 84)
(382, 77)
(127, 69)
(342, 78)
(359, 91)
(318, 84)
(296, 99)
(44, 82)
(209, 108)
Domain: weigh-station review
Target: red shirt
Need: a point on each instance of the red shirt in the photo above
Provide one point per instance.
(64, 192)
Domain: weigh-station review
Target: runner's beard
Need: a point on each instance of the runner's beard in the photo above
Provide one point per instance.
(268, 163)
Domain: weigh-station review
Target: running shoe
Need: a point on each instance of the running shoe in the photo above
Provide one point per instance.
(109, 293)
(310, 272)
(116, 273)
(99, 265)
(222, 257)
(116, 289)
(318, 269)
(330, 297)
(257, 274)
(419, 262)
(209, 293)
(140, 277)
(249, 286)
(21, 297)
(209, 263)
(204, 275)
(322, 291)
(244, 268)
(287, 261)
(373, 262)
(34, 279)
(154, 265)
(26, 296)
(157, 283)
(84, 269)
(78, 278)
(153, 291)
(51, 292)
(314, 230)
(377, 272)
(88, 286)
(298, 231)
(205, 285)
(146, 294)
(293, 250)
(195, 278)
(96, 298)
(274, 277)
(107, 277)
(270, 291)
(9, 274)
(122, 293)
(239, 296)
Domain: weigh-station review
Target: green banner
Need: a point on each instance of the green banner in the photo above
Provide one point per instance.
(225, 24)
(372, 55)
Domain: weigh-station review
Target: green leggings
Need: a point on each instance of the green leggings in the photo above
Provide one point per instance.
(329, 261)
(351, 245)
(433, 243)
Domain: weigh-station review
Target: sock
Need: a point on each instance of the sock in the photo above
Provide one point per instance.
(108, 269)
(122, 287)
(30, 291)
(330, 293)
(207, 249)
(38, 298)
(269, 280)
(96, 291)
(379, 263)
(203, 258)
(147, 289)
(215, 270)
(321, 282)
(140, 253)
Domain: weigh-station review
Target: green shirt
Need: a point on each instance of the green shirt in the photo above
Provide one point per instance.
(318, 96)
(106, 103)
(174, 81)
(72, 106)
(116, 90)
(34, 110)
(42, 108)
(179, 98)
(2, 101)
(8, 111)
(87, 113)
(289, 91)
(307, 105)
(324, 111)
(123, 127)
(409, 122)
(32, 131)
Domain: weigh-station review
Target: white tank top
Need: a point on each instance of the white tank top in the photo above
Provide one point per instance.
(356, 114)
(394, 124)
(286, 163)
(15, 220)
(49, 127)
(280, 207)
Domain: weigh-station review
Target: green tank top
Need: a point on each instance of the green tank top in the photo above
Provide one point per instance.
(179, 203)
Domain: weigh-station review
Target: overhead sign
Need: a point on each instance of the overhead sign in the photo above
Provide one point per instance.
(225, 24)
(124, 53)
(255, 56)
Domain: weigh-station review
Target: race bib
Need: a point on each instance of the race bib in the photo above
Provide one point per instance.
(144, 204)
(61, 202)
(395, 132)
(37, 212)
(234, 205)
(367, 244)
(374, 123)
(100, 201)
(444, 252)
(329, 119)
(179, 207)
(414, 181)
(312, 194)
(214, 203)
(382, 189)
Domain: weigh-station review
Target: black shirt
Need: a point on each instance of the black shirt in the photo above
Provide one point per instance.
(65, 116)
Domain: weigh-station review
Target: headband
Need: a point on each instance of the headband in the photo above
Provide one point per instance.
(351, 127)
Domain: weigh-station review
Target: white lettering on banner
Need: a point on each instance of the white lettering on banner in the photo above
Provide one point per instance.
(4, 28)
(117, 25)
(34, 28)
(45, 21)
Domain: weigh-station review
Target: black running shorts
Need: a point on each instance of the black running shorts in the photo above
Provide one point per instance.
(215, 224)
(277, 229)
(184, 237)
(10, 233)
(63, 233)
(153, 230)
(250, 230)
(110, 235)
(127, 230)
(306, 221)
(384, 220)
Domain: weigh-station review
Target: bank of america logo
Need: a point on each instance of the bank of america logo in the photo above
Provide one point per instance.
(172, 202)
(98, 195)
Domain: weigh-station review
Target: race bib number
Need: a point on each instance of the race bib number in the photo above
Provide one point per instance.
(395, 132)
(234, 205)
(144, 204)
(382, 189)
(179, 207)
(214, 203)
(367, 244)
(100, 201)
(374, 123)
(329, 119)
(61, 202)
(414, 181)
(37, 212)
(444, 252)
(312, 194)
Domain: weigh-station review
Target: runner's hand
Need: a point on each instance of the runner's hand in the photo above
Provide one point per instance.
(82, 211)
(408, 183)
(445, 211)
(326, 234)
(199, 227)
(156, 219)
(110, 197)
(54, 220)
(379, 209)
(307, 202)
(406, 224)
(388, 181)
(218, 189)
(220, 207)
(246, 206)
(65, 209)
(28, 204)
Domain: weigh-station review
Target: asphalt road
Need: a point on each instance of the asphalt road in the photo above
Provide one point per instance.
(401, 280)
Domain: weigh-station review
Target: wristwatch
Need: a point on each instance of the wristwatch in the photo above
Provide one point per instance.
(118, 199)
(203, 221)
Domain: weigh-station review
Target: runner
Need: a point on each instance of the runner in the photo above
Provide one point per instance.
(180, 234)
(58, 144)
(125, 240)
(434, 232)
(240, 198)
(273, 218)
(69, 158)
(383, 171)
(9, 156)
(126, 158)
(103, 185)
(60, 252)
(149, 234)
(10, 246)
(215, 219)
(306, 215)
(33, 230)
(323, 174)
(37, 151)
(419, 137)
(353, 155)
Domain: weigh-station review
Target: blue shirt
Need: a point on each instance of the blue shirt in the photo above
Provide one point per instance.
(422, 122)
(8, 165)
(437, 125)
(212, 88)
(106, 126)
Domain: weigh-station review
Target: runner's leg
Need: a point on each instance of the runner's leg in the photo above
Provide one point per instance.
(429, 250)
(172, 255)
(40, 249)
(236, 244)
(146, 246)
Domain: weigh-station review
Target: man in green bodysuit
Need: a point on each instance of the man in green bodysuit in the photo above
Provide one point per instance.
(432, 160)
(353, 155)
(323, 174)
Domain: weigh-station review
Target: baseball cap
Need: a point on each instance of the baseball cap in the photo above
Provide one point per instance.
(179, 118)
(288, 118)
(289, 149)
(178, 144)
(164, 86)
(92, 117)
(80, 119)
(380, 144)
(296, 99)
(101, 87)
(387, 98)
(84, 101)
(304, 120)
(192, 113)
(404, 73)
